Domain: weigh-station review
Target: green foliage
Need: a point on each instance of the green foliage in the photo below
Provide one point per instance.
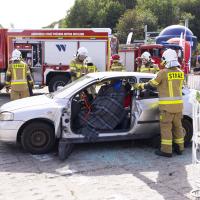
(122, 15)
(192, 7)
(128, 4)
(135, 20)
(94, 13)
(166, 11)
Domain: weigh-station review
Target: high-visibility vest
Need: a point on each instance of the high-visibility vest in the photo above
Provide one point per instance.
(149, 69)
(116, 66)
(17, 76)
(78, 68)
(91, 68)
(169, 84)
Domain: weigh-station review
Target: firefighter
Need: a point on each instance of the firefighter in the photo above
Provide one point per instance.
(147, 64)
(169, 83)
(116, 64)
(90, 67)
(17, 77)
(77, 65)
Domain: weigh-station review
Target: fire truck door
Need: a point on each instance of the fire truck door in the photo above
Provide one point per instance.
(36, 68)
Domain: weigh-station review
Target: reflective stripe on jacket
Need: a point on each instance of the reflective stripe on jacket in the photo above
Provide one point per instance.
(149, 69)
(17, 75)
(116, 66)
(78, 68)
(91, 68)
(169, 83)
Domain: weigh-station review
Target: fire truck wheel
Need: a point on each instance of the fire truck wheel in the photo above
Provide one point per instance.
(38, 138)
(188, 131)
(58, 81)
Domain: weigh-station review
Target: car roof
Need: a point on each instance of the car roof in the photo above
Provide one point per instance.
(102, 75)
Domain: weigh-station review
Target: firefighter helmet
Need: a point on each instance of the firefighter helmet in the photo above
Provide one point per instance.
(146, 56)
(115, 57)
(16, 55)
(82, 53)
(170, 58)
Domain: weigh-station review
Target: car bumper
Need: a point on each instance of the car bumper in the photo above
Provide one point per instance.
(9, 130)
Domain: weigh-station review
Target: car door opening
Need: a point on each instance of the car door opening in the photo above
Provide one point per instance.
(103, 108)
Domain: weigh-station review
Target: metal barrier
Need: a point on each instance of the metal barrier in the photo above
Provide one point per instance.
(196, 148)
(193, 81)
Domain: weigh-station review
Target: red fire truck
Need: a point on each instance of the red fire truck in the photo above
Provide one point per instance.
(48, 52)
(130, 53)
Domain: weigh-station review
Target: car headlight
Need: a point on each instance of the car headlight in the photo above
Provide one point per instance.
(6, 116)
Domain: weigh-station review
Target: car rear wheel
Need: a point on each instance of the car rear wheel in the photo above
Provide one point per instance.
(38, 138)
(188, 131)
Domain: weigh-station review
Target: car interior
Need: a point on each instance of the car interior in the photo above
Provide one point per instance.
(147, 94)
(83, 102)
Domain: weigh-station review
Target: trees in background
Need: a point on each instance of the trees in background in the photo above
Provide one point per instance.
(134, 20)
(94, 13)
(123, 15)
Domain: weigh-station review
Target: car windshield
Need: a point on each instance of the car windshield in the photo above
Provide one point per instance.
(73, 86)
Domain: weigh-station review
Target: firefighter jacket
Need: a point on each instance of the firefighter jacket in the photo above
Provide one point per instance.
(91, 68)
(18, 76)
(77, 68)
(117, 66)
(149, 68)
(169, 84)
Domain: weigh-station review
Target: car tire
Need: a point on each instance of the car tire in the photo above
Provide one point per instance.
(38, 138)
(188, 130)
(56, 81)
(64, 150)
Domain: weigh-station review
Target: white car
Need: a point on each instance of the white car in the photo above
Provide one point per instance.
(36, 122)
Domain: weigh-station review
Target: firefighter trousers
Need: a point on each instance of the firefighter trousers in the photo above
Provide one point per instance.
(19, 94)
(171, 131)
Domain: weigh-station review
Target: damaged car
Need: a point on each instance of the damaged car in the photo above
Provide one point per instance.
(98, 107)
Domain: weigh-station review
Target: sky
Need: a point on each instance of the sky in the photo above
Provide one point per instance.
(32, 13)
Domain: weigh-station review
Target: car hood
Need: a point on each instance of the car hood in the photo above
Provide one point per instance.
(26, 102)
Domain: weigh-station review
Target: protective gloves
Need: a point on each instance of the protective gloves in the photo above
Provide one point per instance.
(139, 86)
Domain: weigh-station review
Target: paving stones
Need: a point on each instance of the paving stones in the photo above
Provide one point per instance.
(95, 172)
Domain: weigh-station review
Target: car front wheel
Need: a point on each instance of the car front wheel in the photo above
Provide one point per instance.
(38, 138)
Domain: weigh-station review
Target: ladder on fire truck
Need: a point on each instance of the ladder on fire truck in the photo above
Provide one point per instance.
(196, 146)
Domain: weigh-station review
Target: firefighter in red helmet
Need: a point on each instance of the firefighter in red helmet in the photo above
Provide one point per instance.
(116, 64)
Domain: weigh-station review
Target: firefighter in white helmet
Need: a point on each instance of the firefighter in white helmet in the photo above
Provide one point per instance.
(169, 83)
(147, 64)
(90, 67)
(77, 65)
(17, 77)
